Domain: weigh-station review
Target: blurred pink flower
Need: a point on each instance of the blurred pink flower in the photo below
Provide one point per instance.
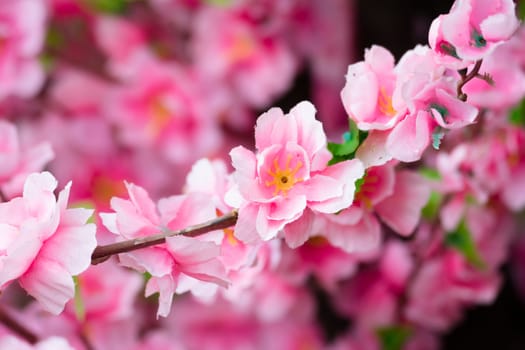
(22, 32)
(231, 47)
(17, 161)
(161, 108)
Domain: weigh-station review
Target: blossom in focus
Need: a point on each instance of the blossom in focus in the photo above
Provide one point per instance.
(288, 174)
(368, 92)
(43, 243)
(182, 263)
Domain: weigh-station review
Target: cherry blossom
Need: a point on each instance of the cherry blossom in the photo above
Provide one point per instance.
(289, 173)
(45, 243)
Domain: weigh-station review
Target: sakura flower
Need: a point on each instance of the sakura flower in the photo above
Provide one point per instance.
(223, 325)
(371, 297)
(123, 43)
(22, 30)
(288, 174)
(106, 299)
(506, 87)
(182, 263)
(43, 243)
(405, 108)
(211, 178)
(396, 198)
(161, 109)
(498, 164)
(447, 282)
(434, 108)
(473, 28)
(367, 95)
(232, 48)
(18, 161)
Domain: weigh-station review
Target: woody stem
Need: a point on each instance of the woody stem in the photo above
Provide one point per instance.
(102, 253)
(7, 320)
(465, 78)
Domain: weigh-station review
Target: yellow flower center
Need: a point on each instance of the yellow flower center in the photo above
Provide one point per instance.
(230, 237)
(368, 188)
(385, 103)
(283, 179)
(160, 115)
(241, 49)
(513, 159)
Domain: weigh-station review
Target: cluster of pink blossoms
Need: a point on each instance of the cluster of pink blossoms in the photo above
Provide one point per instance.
(125, 98)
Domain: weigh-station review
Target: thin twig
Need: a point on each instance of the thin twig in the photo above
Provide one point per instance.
(466, 78)
(7, 320)
(102, 253)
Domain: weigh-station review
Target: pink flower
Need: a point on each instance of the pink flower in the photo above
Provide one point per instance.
(212, 179)
(106, 299)
(371, 297)
(367, 95)
(404, 108)
(162, 109)
(78, 92)
(508, 81)
(225, 326)
(445, 284)
(473, 28)
(22, 31)
(288, 174)
(231, 47)
(17, 161)
(123, 42)
(330, 265)
(396, 198)
(44, 243)
(182, 263)
(435, 108)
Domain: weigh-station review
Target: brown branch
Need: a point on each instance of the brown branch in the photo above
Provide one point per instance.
(17, 327)
(102, 253)
(465, 78)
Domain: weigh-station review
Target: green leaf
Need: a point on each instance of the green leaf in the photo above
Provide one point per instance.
(346, 150)
(393, 337)
(359, 183)
(108, 6)
(218, 2)
(430, 173)
(517, 114)
(80, 309)
(521, 9)
(86, 204)
(431, 209)
(461, 240)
